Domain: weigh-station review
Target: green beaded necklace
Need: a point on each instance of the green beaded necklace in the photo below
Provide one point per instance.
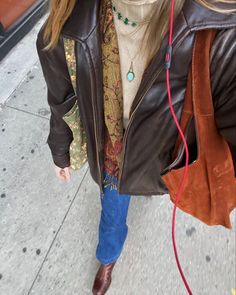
(125, 20)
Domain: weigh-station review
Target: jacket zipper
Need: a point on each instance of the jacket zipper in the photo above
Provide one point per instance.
(134, 111)
(127, 130)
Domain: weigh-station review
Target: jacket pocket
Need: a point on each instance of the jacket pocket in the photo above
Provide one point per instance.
(180, 157)
(78, 146)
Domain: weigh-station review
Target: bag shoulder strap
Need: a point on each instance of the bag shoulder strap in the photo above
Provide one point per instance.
(201, 86)
(198, 87)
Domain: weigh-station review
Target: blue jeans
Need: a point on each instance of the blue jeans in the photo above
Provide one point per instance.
(113, 229)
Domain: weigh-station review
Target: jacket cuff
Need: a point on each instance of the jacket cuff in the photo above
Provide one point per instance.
(61, 161)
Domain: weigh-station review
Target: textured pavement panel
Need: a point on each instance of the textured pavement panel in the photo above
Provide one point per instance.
(33, 202)
(71, 264)
(31, 96)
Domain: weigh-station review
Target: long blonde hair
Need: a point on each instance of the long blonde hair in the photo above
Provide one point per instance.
(60, 10)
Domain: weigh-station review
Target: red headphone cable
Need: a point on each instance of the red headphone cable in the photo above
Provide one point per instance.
(168, 65)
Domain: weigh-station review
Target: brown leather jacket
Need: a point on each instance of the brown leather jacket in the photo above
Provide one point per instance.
(151, 133)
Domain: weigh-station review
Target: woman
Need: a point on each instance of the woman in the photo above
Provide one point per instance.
(118, 83)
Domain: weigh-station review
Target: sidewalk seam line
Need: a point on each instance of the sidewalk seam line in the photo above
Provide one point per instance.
(27, 112)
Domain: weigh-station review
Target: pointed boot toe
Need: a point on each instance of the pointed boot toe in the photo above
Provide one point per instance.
(102, 280)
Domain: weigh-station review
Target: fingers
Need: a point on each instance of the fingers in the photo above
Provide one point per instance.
(67, 173)
(63, 173)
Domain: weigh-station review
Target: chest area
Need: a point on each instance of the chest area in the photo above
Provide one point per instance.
(107, 58)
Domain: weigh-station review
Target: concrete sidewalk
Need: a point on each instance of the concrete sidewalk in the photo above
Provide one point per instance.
(49, 228)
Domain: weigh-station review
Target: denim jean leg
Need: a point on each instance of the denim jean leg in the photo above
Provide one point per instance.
(113, 229)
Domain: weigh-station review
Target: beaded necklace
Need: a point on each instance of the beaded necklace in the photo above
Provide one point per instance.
(126, 20)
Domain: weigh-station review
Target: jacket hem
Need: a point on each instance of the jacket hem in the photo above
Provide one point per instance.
(154, 193)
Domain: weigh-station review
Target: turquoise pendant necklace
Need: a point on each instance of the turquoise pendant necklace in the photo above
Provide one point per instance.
(130, 74)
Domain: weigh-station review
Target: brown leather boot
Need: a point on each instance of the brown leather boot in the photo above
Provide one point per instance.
(103, 279)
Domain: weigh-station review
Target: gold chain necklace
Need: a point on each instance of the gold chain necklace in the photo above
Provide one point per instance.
(130, 75)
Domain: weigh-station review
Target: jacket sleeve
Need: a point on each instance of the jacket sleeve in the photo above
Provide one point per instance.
(60, 97)
(223, 83)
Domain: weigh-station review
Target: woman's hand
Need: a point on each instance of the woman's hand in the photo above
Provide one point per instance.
(63, 173)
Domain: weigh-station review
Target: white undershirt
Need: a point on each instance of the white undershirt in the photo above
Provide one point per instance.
(129, 42)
